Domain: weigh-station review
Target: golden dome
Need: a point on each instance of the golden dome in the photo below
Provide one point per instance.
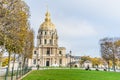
(47, 24)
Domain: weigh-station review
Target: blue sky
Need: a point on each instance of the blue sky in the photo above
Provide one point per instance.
(80, 23)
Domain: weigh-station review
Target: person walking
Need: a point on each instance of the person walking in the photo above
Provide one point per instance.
(38, 66)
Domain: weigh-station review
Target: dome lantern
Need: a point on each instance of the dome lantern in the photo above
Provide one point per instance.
(47, 24)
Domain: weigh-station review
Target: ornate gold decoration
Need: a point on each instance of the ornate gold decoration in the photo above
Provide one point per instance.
(47, 24)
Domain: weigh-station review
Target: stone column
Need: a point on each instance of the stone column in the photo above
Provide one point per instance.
(50, 62)
(44, 62)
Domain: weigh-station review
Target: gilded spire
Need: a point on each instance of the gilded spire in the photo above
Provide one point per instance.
(47, 24)
(47, 19)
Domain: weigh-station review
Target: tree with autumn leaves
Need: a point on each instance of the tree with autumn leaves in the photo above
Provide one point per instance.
(110, 51)
(16, 36)
(95, 61)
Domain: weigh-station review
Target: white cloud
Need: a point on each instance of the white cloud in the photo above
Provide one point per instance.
(102, 8)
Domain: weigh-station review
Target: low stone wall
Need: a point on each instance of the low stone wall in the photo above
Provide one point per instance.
(25, 75)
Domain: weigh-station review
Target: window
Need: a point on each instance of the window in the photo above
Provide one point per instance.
(45, 33)
(60, 61)
(34, 61)
(48, 51)
(45, 41)
(60, 52)
(35, 52)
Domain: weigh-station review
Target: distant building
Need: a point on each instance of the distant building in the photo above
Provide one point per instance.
(76, 61)
(87, 63)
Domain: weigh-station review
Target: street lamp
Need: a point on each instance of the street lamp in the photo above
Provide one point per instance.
(70, 58)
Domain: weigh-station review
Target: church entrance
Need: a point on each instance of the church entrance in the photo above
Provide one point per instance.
(47, 63)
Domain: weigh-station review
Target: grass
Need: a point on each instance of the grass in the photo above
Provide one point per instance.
(73, 74)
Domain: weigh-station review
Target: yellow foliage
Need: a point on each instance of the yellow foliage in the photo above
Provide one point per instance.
(15, 29)
(5, 61)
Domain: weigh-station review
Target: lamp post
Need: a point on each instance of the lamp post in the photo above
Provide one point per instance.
(70, 58)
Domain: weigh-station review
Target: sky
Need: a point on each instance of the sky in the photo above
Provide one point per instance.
(80, 23)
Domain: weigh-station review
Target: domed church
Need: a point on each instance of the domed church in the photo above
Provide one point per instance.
(48, 52)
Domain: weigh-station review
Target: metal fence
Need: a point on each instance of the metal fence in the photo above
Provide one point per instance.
(13, 74)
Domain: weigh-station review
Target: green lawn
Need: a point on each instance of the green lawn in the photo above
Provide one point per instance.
(73, 74)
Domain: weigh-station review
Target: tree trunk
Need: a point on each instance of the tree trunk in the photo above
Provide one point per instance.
(108, 66)
(24, 60)
(114, 65)
(14, 61)
(9, 61)
(27, 61)
(113, 60)
(13, 67)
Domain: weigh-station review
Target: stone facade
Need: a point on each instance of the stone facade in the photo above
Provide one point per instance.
(47, 52)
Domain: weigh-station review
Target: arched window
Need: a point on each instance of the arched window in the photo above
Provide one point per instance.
(60, 52)
(48, 51)
(45, 41)
(60, 61)
(45, 33)
(34, 61)
(35, 52)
